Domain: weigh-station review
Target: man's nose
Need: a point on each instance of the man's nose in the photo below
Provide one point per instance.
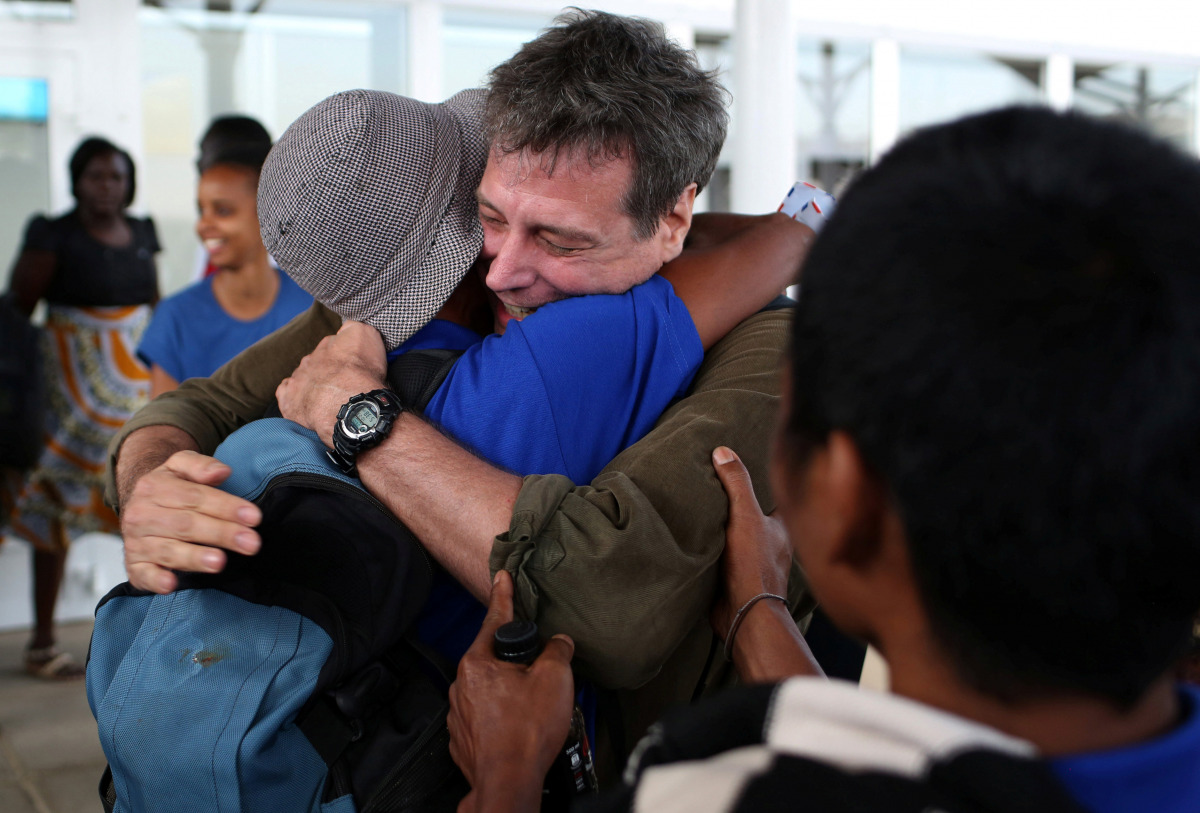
(512, 265)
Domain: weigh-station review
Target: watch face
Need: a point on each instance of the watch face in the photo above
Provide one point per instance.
(361, 419)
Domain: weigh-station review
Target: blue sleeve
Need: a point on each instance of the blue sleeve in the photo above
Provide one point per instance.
(570, 386)
(292, 300)
(162, 343)
(437, 334)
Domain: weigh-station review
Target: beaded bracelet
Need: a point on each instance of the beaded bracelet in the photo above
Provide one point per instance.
(737, 620)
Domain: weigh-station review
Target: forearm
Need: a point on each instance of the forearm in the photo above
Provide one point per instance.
(512, 789)
(768, 646)
(713, 228)
(726, 283)
(628, 565)
(209, 409)
(599, 563)
(145, 450)
(453, 501)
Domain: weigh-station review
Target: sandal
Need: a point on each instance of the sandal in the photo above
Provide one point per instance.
(51, 664)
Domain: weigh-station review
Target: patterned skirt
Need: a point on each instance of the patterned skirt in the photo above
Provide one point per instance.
(94, 383)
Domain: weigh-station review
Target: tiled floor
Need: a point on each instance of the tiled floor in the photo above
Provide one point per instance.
(50, 758)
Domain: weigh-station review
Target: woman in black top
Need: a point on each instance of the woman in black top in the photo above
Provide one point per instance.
(94, 267)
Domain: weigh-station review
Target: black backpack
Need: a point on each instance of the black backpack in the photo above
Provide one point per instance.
(22, 393)
(291, 680)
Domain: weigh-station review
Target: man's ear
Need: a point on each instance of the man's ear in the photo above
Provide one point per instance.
(673, 229)
(852, 543)
(859, 501)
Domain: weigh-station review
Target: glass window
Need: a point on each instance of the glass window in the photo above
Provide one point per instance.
(714, 52)
(833, 113)
(475, 42)
(1159, 98)
(24, 99)
(24, 160)
(937, 85)
(270, 61)
(37, 10)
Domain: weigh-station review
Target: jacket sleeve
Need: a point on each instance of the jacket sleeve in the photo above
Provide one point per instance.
(209, 409)
(628, 565)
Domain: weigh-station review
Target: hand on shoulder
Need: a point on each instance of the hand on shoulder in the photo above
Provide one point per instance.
(757, 554)
(343, 365)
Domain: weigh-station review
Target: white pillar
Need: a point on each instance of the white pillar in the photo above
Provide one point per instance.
(682, 32)
(1059, 81)
(764, 133)
(885, 96)
(221, 47)
(111, 71)
(110, 80)
(425, 37)
(389, 69)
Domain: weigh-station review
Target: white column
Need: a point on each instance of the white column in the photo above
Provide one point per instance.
(425, 51)
(110, 78)
(682, 32)
(260, 96)
(389, 68)
(1059, 81)
(764, 133)
(885, 96)
(221, 47)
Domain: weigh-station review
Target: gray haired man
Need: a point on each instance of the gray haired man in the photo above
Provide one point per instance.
(601, 134)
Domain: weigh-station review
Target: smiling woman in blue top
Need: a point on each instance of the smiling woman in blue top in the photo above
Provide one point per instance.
(205, 325)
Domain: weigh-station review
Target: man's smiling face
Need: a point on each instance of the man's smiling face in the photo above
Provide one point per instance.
(552, 235)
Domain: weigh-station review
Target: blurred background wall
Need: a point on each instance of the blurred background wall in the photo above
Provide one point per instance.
(821, 89)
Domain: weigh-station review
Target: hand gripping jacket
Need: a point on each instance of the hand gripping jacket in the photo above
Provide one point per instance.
(289, 681)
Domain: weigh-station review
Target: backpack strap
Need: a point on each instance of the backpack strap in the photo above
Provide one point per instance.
(328, 730)
(417, 374)
(108, 790)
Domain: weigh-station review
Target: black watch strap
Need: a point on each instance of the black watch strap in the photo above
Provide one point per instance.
(384, 407)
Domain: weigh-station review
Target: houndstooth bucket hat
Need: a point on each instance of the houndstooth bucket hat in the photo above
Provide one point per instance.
(368, 202)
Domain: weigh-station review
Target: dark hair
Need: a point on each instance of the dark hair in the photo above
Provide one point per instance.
(1005, 316)
(249, 157)
(613, 87)
(94, 147)
(229, 135)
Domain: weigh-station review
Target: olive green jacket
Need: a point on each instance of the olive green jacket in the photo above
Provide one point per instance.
(626, 565)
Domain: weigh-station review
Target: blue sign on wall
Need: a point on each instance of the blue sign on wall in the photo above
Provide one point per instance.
(24, 99)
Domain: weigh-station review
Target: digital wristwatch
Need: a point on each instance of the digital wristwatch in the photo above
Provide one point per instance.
(362, 423)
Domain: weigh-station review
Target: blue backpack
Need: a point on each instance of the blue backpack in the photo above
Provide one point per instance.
(290, 681)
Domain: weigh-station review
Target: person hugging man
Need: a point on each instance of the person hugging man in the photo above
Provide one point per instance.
(986, 464)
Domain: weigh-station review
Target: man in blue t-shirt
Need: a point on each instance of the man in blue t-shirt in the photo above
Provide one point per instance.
(585, 192)
(986, 465)
(561, 213)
